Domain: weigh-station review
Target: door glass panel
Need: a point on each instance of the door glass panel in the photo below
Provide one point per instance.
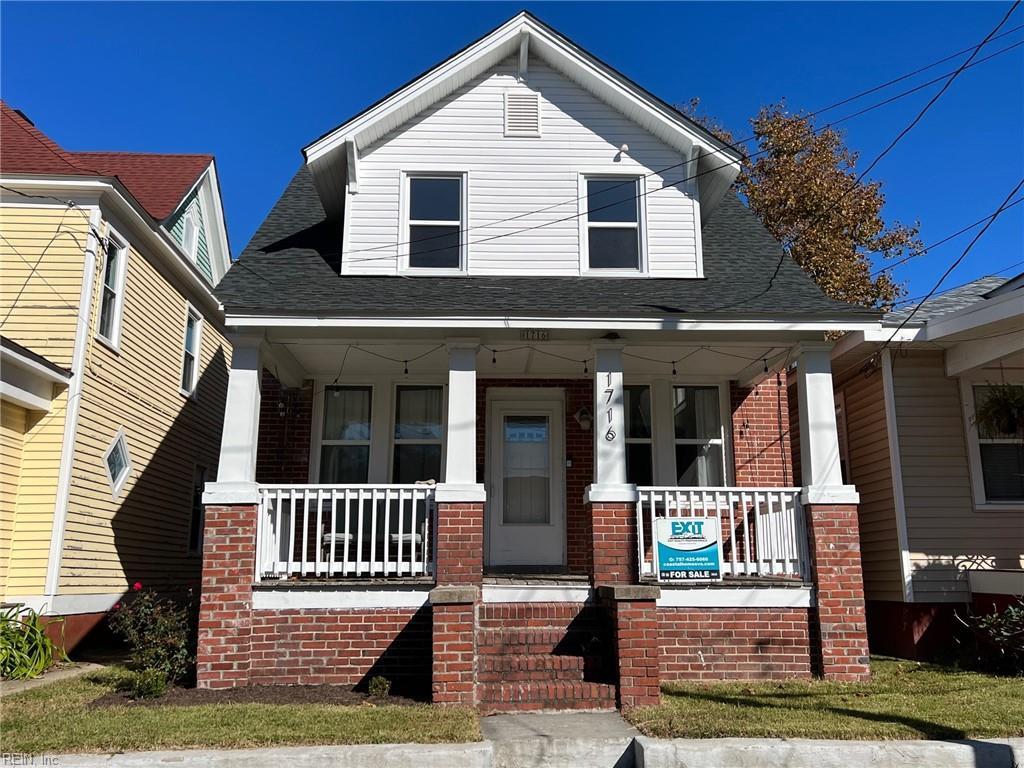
(526, 470)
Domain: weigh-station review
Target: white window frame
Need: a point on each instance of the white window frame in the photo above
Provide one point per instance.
(191, 311)
(523, 134)
(722, 441)
(406, 223)
(117, 483)
(393, 442)
(981, 501)
(318, 431)
(201, 522)
(648, 441)
(120, 245)
(585, 224)
(191, 217)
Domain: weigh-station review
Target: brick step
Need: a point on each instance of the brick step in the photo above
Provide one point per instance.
(539, 667)
(518, 641)
(498, 615)
(520, 696)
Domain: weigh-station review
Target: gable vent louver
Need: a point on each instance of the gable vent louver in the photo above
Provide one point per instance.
(522, 113)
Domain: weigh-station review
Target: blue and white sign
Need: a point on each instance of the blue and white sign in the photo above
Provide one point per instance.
(688, 549)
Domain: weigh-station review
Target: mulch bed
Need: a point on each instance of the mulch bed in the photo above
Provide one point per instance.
(257, 694)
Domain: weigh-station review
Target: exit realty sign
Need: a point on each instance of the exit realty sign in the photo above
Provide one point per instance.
(688, 549)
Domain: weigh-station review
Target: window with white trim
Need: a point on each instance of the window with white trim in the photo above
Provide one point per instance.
(419, 433)
(345, 435)
(190, 357)
(1000, 453)
(639, 437)
(190, 232)
(118, 463)
(435, 216)
(195, 528)
(699, 436)
(613, 224)
(112, 290)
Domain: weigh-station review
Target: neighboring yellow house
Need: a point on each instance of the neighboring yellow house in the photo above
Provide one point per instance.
(113, 370)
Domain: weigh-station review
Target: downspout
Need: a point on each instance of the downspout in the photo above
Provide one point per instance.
(74, 394)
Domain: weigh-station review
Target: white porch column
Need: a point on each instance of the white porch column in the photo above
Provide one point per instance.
(609, 427)
(819, 436)
(460, 446)
(236, 469)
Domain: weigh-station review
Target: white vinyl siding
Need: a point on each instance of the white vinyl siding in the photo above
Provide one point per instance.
(515, 176)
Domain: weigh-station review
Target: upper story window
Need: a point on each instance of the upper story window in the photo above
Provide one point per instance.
(112, 290)
(700, 443)
(419, 434)
(190, 358)
(997, 454)
(345, 439)
(436, 222)
(190, 233)
(639, 438)
(613, 236)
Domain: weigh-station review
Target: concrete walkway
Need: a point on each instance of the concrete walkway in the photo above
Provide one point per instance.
(63, 672)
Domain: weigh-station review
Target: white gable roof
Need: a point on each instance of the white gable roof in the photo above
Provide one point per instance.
(334, 155)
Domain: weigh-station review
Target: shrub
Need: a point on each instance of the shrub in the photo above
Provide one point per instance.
(26, 650)
(160, 632)
(1000, 638)
(379, 686)
(148, 684)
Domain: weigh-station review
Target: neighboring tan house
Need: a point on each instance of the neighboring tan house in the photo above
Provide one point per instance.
(114, 370)
(498, 325)
(942, 502)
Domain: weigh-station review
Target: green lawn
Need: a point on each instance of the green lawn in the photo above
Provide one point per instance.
(56, 718)
(904, 700)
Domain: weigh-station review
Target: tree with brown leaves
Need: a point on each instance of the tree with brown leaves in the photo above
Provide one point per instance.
(802, 184)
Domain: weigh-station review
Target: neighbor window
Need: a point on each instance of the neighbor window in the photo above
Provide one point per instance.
(195, 528)
(419, 434)
(637, 409)
(435, 222)
(190, 359)
(190, 233)
(1001, 456)
(118, 463)
(111, 293)
(613, 223)
(345, 439)
(700, 448)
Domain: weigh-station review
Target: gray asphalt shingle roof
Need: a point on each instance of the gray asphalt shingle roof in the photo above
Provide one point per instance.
(946, 303)
(287, 269)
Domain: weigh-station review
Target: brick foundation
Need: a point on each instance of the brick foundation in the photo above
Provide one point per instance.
(633, 614)
(614, 542)
(225, 610)
(460, 543)
(453, 676)
(735, 643)
(840, 620)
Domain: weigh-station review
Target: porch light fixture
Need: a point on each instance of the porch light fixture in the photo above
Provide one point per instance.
(584, 418)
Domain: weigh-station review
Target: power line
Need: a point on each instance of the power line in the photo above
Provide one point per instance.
(735, 145)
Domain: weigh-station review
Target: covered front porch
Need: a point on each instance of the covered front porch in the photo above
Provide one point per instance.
(402, 467)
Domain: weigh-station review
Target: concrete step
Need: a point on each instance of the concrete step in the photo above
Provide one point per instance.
(534, 695)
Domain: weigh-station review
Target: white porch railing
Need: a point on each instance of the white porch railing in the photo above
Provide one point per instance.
(345, 531)
(764, 533)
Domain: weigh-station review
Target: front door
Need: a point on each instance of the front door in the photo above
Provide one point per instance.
(526, 485)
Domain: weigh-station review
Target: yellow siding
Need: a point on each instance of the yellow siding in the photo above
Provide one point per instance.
(143, 535)
(871, 472)
(12, 435)
(946, 534)
(39, 310)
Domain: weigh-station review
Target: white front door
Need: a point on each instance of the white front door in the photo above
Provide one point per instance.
(526, 484)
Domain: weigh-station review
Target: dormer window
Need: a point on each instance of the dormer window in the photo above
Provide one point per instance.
(613, 237)
(190, 233)
(436, 216)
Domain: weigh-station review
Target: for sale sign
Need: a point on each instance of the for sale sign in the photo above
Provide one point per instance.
(688, 549)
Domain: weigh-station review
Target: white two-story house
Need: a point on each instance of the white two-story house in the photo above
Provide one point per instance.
(498, 325)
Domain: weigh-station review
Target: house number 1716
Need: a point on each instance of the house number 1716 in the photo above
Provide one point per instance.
(609, 391)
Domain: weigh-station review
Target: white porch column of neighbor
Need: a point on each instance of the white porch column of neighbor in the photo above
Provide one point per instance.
(609, 428)
(819, 437)
(236, 470)
(460, 483)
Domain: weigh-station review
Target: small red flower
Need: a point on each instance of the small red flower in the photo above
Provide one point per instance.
(117, 606)
(137, 586)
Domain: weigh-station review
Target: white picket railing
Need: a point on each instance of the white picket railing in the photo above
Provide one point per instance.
(345, 531)
(764, 533)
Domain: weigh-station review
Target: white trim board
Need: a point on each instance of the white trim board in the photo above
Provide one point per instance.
(896, 470)
(535, 593)
(264, 599)
(736, 597)
(67, 605)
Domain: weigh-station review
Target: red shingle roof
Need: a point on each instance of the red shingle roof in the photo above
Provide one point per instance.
(158, 182)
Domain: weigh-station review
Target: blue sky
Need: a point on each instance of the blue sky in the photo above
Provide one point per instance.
(253, 83)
